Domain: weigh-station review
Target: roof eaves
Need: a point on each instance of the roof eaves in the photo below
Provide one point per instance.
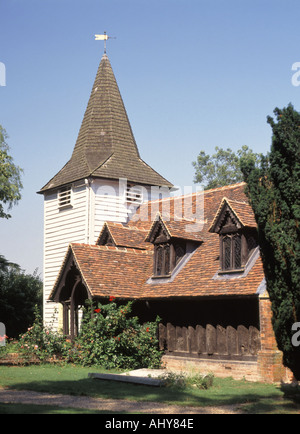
(224, 202)
(157, 220)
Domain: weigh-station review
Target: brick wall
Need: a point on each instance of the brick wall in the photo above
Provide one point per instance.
(220, 368)
(269, 361)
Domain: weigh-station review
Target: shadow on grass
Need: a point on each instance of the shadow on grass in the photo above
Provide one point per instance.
(224, 393)
(291, 391)
(281, 406)
(45, 409)
(73, 380)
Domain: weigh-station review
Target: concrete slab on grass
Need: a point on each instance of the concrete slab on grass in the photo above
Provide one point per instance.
(146, 377)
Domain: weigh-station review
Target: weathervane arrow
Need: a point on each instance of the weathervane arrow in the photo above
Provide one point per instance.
(104, 38)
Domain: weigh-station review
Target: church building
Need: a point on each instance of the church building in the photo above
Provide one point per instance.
(112, 229)
(104, 180)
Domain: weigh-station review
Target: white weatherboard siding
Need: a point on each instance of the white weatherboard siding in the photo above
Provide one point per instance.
(93, 202)
(109, 204)
(61, 226)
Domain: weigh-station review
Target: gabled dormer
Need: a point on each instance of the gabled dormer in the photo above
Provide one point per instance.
(171, 245)
(105, 238)
(236, 226)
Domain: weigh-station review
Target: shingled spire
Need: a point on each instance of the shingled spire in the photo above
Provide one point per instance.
(105, 147)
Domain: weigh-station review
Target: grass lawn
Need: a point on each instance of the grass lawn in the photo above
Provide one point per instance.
(43, 409)
(251, 397)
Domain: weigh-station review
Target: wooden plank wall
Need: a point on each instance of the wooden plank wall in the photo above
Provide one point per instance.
(60, 228)
(210, 341)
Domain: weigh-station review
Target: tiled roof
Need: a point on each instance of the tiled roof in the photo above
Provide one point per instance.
(126, 236)
(105, 146)
(190, 207)
(242, 211)
(183, 229)
(196, 279)
(111, 271)
(125, 273)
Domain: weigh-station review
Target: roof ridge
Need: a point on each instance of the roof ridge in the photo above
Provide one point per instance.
(113, 248)
(125, 226)
(225, 187)
(238, 201)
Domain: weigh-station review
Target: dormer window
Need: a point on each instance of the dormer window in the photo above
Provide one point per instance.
(237, 239)
(166, 256)
(162, 260)
(231, 252)
(172, 245)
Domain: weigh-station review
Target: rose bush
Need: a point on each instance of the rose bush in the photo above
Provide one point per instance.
(42, 343)
(109, 337)
(112, 338)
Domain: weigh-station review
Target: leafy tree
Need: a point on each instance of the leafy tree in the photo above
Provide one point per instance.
(223, 167)
(10, 177)
(5, 264)
(274, 193)
(19, 293)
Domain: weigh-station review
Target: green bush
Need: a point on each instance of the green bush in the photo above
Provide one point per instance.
(183, 381)
(42, 343)
(110, 337)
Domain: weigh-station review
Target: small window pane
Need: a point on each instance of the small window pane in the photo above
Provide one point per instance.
(167, 259)
(227, 253)
(179, 253)
(159, 260)
(237, 242)
(251, 242)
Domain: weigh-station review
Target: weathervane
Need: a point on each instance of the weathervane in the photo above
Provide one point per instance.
(104, 38)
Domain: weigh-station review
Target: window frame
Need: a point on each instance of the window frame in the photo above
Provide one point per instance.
(163, 249)
(233, 259)
(169, 259)
(246, 249)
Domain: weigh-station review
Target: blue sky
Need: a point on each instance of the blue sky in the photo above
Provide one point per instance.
(193, 74)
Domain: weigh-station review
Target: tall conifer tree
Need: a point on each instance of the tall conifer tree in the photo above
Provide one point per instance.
(274, 193)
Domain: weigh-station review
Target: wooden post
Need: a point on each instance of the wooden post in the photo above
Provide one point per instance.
(254, 340)
(162, 336)
(179, 339)
(232, 341)
(192, 342)
(201, 339)
(211, 339)
(243, 340)
(171, 337)
(221, 340)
